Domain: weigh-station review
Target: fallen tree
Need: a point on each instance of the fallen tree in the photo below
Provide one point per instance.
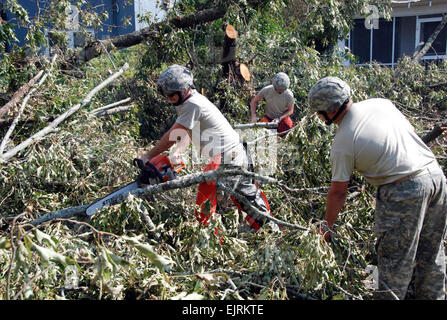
(55, 123)
(179, 183)
(98, 47)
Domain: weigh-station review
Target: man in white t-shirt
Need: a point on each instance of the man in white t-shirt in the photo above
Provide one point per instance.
(201, 122)
(279, 103)
(375, 139)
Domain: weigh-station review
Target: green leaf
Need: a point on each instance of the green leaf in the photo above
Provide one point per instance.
(162, 263)
(51, 255)
(5, 243)
(40, 236)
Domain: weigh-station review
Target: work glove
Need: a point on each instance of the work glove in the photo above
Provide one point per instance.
(149, 174)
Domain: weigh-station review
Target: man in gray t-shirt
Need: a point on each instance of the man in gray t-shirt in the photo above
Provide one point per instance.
(279, 103)
(201, 122)
(375, 139)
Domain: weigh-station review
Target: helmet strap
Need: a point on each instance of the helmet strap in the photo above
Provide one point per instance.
(182, 97)
(329, 121)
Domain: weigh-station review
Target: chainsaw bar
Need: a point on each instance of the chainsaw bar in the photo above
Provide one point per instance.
(106, 201)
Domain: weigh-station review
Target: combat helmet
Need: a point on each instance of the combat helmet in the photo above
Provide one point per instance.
(175, 80)
(328, 95)
(281, 81)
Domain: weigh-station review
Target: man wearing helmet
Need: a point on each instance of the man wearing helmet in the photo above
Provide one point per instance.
(376, 139)
(200, 121)
(279, 103)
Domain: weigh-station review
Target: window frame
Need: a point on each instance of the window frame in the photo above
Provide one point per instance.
(419, 22)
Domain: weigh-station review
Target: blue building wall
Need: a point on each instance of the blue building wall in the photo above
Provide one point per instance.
(118, 11)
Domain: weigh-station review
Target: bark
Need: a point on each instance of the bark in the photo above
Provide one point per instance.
(19, 94)
(229, 51)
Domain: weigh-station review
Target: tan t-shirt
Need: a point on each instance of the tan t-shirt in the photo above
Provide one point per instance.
(376, 139)
(211, 133)
(276, 103)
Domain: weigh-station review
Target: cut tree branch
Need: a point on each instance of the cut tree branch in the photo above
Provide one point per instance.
(37, 136)
(434, 133)
(111, 111)
(22, 107)
(244, 200)
(266, 125)
(181, 182)
(20, 94)
(99, 47)
(154, 31)
(419, 54)
(109, 106)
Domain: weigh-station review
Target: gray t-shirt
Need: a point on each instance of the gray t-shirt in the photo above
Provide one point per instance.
(276, 103)
(376, 139)
(210, 132)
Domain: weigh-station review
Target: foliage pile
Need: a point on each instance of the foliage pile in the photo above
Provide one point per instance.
(154, 248)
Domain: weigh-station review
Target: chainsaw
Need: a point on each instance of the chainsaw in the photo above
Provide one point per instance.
(158, 170)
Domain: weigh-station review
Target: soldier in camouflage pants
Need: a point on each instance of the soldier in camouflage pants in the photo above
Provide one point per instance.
(375, 139)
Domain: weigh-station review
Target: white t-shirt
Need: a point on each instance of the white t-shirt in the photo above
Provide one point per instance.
(276, 103)
(211, 132)
(376, 139)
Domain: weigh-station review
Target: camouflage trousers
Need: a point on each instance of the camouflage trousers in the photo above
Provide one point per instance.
(410, 226)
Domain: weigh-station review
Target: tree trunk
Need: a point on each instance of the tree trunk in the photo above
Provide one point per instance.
(232, 69)
(229, 52)
(99, 47)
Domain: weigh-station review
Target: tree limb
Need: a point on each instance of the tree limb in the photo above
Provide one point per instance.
(98, 47)
(266, 125)
(241, 198)
(37, 136)
(154, 31)
(22, 107)
(20, 94)
(111, 111)
(434, 133)
(181, 182)
(419, 54)
(110, 105)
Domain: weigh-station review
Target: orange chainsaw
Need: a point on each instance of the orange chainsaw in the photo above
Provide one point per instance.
(158, 170)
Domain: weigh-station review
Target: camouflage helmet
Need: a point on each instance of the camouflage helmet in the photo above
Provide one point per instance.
(328, 94)
(281, 81)
(174, 79)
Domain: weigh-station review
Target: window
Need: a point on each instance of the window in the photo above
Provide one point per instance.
(360, 41)
(424, 29)
(382, 50)
(373, 44)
